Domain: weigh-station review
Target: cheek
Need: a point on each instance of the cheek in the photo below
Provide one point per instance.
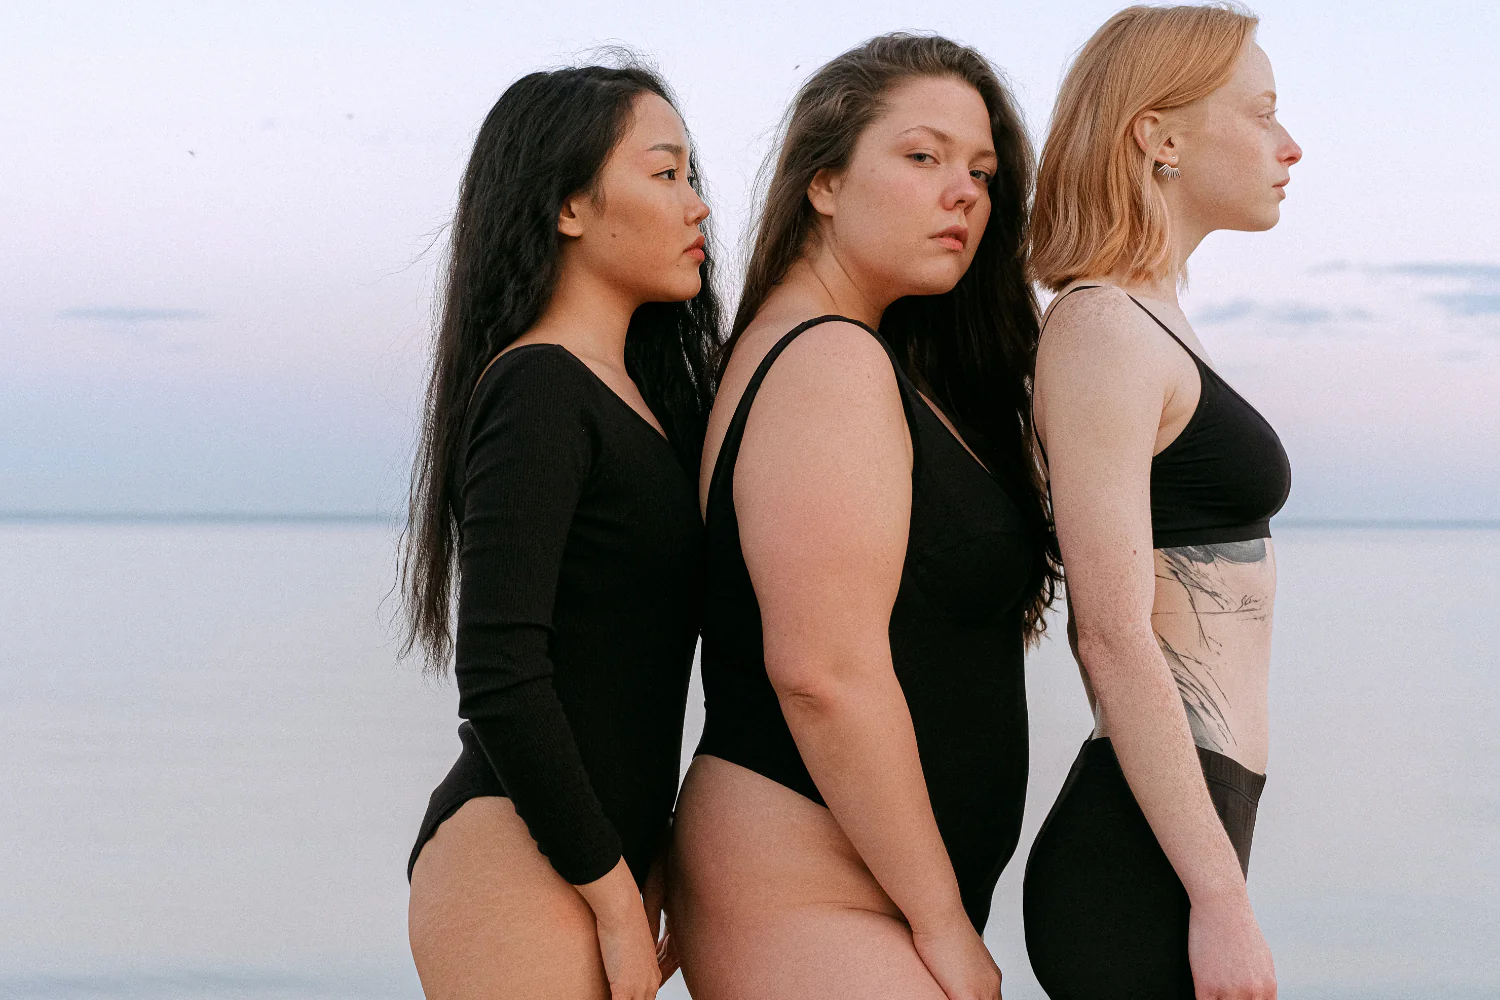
(979, 219)
(648, 233)
(640, 229)
(1233, 167)
(884, 210)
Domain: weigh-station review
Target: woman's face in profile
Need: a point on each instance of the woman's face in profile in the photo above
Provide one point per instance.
(911, 206)
(639, 229)
(1235, 155)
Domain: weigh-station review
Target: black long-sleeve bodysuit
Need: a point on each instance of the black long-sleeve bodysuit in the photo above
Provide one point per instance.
(577, 614)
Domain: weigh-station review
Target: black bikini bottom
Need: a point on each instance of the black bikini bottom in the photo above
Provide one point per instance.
(1106, 916)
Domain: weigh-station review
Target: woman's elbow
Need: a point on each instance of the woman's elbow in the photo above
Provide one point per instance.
(824, 690)
(1107, 649)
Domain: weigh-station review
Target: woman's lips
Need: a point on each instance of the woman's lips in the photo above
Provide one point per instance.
(952, 238)
(696, 250)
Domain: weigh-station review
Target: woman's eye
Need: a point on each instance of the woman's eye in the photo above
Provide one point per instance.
(670, 173)
(982, 176)
(922, 157)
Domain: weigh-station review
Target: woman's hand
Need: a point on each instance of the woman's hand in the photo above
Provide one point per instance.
(626, 941)
(1227, 952)
(654, 896)
(957, 958)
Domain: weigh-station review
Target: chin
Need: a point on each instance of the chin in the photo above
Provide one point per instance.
(683, 288)
(1258, 222)
(937, 280)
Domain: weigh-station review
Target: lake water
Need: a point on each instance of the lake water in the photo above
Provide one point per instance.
(211, 768)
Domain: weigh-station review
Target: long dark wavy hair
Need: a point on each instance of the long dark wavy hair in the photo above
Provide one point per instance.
(547, 138)
(973, 349)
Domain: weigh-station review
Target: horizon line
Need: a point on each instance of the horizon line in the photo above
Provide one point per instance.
(199, 517)
(373, 517)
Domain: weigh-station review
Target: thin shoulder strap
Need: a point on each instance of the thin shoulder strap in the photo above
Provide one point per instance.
(730, 447)
(1191, 353)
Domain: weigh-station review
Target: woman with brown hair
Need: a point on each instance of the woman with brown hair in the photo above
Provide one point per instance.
(1163, 480)
(878, 550)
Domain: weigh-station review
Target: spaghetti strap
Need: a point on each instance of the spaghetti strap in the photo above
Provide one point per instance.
(1191, 353)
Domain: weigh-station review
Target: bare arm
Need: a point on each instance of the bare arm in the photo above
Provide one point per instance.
(823, 494)
(1100, 393)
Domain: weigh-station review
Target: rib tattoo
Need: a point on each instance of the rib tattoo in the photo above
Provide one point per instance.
(1196, 569)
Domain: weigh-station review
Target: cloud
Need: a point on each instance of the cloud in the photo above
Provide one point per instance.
(1464, 288)
(120, 314)
(1484, 274)
(1461, 355)
(1468, 303)
(1228, 312)
(1285, 314)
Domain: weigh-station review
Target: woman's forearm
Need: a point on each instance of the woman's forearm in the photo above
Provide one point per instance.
(856, 738)
(1149, 731)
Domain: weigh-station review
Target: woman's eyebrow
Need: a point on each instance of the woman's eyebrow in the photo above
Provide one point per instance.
(936, 133)
(668, 147)
(940, 136)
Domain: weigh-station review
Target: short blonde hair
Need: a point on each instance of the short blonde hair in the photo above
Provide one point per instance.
(1098, 210)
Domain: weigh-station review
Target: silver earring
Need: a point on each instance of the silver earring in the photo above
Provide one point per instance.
(1168, 172)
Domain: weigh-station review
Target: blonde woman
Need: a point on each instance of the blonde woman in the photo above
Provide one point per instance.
(1163, 482)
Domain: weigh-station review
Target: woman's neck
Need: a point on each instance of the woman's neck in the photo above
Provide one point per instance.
(589, 317)
(1186, 233)
(823, 283)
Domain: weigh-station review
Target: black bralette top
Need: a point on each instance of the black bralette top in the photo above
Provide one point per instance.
(1224, 476)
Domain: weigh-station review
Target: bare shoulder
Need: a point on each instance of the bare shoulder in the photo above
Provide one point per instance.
(840, 358)
(1099, 336)
(832, 389)
(1100, 318)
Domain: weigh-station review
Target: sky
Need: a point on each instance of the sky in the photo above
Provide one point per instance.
(222, 225)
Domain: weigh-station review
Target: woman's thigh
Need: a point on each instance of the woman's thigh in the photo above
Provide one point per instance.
(491, 920)
(770, 901)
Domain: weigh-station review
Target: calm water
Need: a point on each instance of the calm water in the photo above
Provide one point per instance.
(211, 768)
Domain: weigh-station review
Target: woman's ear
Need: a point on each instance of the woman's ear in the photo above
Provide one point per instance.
(823, 191)
(570, 218)
(1153, 139)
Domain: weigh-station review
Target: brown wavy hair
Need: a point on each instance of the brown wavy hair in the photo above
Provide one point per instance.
(972, 349)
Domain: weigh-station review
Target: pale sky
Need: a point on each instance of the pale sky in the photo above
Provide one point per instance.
(215, 274)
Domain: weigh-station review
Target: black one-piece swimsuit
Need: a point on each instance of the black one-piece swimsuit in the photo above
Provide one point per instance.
(1106, 916)
(580, 561)
(955, 633)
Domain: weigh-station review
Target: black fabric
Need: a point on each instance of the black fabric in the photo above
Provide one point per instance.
(580, 561)
(1106, 915)
(470, 777)
(1225, 474)
(956, 642)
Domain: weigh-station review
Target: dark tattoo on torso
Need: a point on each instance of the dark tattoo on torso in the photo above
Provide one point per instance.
(1194, 569)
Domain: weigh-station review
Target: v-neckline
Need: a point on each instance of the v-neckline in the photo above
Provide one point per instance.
(608, 389)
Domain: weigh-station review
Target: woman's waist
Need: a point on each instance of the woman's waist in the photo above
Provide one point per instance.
(1224, 700)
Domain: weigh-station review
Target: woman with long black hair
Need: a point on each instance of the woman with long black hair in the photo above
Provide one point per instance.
(555, 487)
(878, 546)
